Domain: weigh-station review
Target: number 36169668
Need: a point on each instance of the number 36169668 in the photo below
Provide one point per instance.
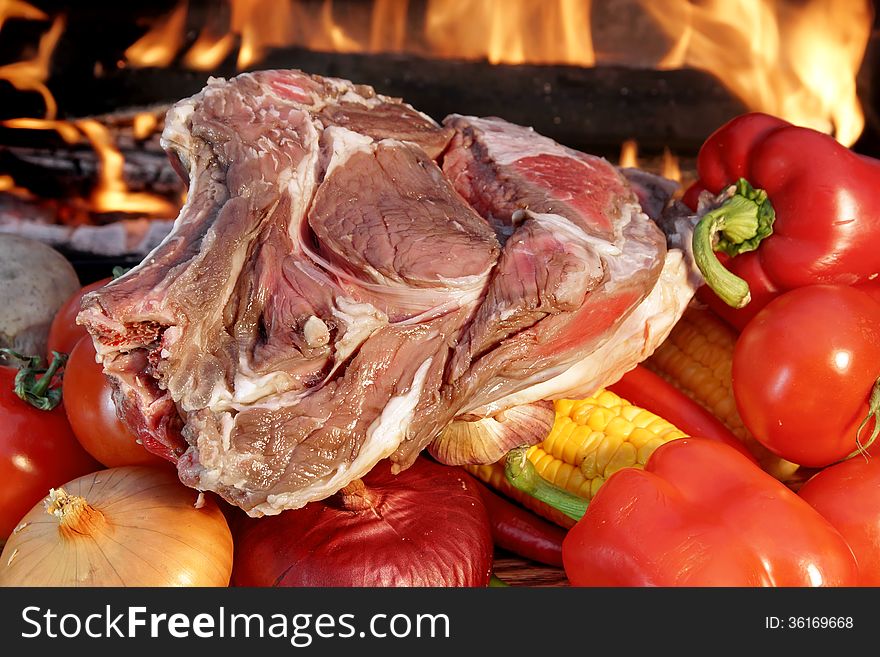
(808, 622)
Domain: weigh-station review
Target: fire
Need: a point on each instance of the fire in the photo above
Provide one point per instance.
(31, 74)
(795, 59)
(260, 24)
(209, 50)
(8, 186)
(798, 61)
(388, 26)
(629, 154)
(144, 124)
(67, 131)
(111, 193)
(533, 31)
(669, 167)
(160, 45)
(18, 9)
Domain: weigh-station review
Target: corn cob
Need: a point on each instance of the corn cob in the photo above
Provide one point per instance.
(697, 358)
(591, 439)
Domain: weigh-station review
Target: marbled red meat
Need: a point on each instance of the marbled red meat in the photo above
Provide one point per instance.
(349, 281)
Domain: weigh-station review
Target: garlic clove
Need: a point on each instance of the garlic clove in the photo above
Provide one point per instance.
(487, 439)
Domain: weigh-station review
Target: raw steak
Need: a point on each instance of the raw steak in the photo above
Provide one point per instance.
(329, 296)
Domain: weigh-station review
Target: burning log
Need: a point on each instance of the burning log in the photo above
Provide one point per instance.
(586, 108)
(98, 189)
(63, 161)
(70, 171)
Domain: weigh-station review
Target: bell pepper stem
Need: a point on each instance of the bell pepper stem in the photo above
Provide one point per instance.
(521, 474)
(873, 414)
(738, 225)
(39, 393)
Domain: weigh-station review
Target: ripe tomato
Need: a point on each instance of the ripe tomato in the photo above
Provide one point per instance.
(847, 494)
(64, 332)
(803, 371)
(89, 404)
(871, 288)
(38, 451)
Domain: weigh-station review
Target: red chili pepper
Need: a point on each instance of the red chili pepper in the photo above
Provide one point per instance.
(650, 391)
(803, 214)
(522, 532)
(699, 514)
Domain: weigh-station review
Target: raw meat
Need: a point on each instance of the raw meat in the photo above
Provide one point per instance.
(330, 297)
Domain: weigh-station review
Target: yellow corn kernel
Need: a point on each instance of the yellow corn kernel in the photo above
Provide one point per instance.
(590, 440)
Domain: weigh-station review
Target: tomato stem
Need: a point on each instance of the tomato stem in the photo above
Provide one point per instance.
(521, 474)
(738, 225)
(38, 392)
(873, 414)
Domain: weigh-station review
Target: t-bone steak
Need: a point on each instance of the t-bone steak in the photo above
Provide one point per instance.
(349, 281)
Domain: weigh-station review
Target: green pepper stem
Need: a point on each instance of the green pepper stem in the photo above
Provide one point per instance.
(39, 393)
(495, 581)
(738, 225)
(521, 474)
(873, 413)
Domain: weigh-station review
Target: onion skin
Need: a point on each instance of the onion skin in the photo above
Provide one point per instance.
(126, 526)
(426, 526)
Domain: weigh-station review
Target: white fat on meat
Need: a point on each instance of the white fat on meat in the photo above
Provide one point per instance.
(361, 320)
(508, 146)
(316, 333)
(636, 339)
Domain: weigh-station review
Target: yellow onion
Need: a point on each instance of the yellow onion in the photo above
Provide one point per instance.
(126, 526)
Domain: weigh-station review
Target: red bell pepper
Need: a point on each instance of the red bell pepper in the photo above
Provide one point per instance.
(804, 213)
(699, 514)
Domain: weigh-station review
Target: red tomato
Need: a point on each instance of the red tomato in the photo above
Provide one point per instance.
(64, 332)
(803, 371)
(38, 451)
(89, 404)
(848, 496)
(871, 288)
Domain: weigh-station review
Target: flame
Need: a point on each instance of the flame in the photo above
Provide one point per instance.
(796, 61)
(160, 45)
(388, 25)
(18, 9)
(669, 167)
(111, 193)
(209, 51)
(261, 24)
(339, 38)
(8, 186)
(629, 154)
(144, 124)
(534, 31)
(66, 130)
(31, 74)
